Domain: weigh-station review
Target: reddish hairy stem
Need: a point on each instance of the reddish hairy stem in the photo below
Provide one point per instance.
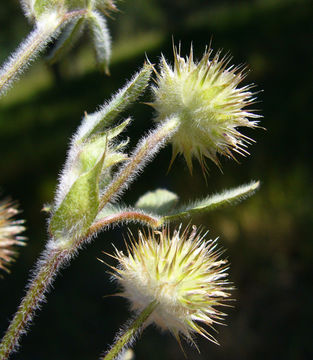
(124, 216)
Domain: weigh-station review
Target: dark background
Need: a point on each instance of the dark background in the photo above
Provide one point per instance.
(268, 237)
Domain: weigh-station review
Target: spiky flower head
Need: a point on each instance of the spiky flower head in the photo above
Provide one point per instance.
(210, 105)
(182, 272)
(9, 233)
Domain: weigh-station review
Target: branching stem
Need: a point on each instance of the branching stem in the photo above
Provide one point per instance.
(55, 258)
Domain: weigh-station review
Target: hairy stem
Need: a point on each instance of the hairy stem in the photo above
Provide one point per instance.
(123, 216)
(144, 151)
(46, 28)
(26, 52)
(129, 334)
(47, 269)
(55, 256)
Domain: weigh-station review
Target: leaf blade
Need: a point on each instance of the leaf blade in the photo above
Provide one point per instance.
(157, 201)
(79, 207)
(214, 201)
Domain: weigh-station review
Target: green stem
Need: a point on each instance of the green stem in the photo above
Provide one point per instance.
(47, 269)
(46, 28)
(128, 335)
(26, 52)
(57, 256)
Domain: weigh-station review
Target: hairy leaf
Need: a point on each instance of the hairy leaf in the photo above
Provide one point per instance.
(159, 201)
(103, 118)
(67, 39)
(79, 207)
(212, 202)
(101, 39)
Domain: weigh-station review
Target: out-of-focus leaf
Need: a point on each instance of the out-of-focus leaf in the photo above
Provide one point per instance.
(67, 39)
(101, 39)
(159, 201)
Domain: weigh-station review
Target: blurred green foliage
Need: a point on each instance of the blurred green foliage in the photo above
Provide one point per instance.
(268, 237)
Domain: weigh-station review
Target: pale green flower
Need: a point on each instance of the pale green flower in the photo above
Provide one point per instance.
(182, 273)
(9, 233)
(205, 96)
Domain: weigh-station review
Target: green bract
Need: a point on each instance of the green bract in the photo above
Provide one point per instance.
(93, 154)
(79, 207)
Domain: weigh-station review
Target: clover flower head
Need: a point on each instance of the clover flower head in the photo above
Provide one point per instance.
(182, 273)
(9, 233)
(210, 105)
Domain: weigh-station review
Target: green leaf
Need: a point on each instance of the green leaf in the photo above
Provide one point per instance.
(159, 201)
(101, 38)
(90, 152)
(93, 148)
(214, 201)
(42, 6)
(67, 39)
(114, 132)
(103, 118)
(79, 207)
(75, 4)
